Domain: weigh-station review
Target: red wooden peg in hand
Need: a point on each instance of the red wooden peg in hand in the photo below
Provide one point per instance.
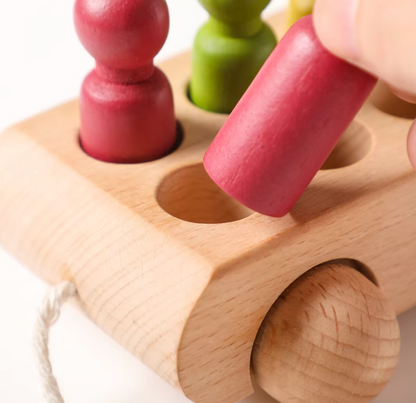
(287, 123)
(127, 112)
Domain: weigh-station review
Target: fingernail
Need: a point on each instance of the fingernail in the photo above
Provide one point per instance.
(335, 22)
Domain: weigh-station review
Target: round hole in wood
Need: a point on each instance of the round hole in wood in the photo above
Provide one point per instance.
(190, 195)
(387, 102)
(354, 145)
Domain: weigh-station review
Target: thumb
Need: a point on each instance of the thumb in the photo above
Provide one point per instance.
(378, 35)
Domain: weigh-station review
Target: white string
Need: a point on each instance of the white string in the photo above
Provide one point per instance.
(48, 314)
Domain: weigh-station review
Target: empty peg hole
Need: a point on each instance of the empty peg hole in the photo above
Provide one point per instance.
(387, 102)
(190, 195)
(354, 145)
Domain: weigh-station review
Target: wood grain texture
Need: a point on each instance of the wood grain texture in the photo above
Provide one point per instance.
(331, 337)
(188, 298)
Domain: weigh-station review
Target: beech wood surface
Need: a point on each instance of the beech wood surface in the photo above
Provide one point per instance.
(188, 298)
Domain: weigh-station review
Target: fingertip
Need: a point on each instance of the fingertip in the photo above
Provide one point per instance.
(411, 145)
(335, 26)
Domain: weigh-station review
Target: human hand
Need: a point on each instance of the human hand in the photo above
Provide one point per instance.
(379, 36)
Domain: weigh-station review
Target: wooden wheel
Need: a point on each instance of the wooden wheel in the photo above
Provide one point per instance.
(330, 338)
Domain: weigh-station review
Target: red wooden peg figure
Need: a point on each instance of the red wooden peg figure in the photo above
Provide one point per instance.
(287, 123)
(127, 112)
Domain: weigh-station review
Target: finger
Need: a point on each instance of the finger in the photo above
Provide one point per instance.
(411, 145)
(378, 35)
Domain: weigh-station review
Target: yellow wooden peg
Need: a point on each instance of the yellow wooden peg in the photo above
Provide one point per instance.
(298, 9)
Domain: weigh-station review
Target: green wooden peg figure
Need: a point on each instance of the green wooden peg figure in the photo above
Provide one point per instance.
(298, 9)
(229, 51)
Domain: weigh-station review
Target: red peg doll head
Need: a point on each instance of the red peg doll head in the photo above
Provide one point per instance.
(122, 34)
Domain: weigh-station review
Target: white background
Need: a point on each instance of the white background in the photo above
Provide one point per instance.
(42, 65)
